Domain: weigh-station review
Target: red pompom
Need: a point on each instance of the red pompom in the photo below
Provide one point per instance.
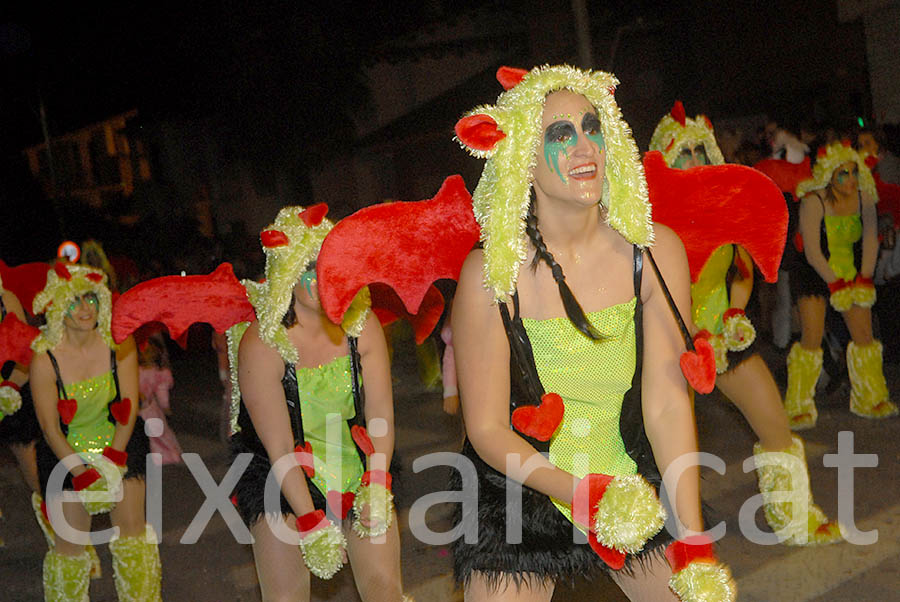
(66, 409)
(540, 422)
(314, 215)
(273, 238)
(121, 410)
(361, 437)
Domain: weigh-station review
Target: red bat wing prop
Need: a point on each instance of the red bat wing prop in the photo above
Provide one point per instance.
(404, 245)
(713, 205)
(15, 340)
(25, 281)
(178, 301)
(785, 174)
(388, 307)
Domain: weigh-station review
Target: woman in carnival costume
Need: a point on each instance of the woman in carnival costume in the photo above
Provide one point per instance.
(838, 223)
(719, 294)
(297, 385)
(83, 384)
(563, 210)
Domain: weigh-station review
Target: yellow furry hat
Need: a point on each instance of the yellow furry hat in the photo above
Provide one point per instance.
(676, 131)
(830, 158)
(508, 135)
(66, 282)
(290, 243)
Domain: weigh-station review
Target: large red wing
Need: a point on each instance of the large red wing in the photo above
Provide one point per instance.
(785, 174)
(714, 205)
(15, 340)
(25, 281)
(218, 299)
(404, 245)
(388, 308)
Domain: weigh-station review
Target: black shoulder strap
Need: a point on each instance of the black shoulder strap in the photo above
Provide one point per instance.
(685, 333)
(359, 418)
(114, 368)
(60, 388)
(292, 399)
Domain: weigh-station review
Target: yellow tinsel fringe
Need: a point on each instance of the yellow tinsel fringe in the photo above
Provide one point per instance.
(323, 551)
(54, 302)
(381, 507)
(704, 582)
(837, 154)
(10, 401)
(628, 514)
(692, 133)
(503, 193)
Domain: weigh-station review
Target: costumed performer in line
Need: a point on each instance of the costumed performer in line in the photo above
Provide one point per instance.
(565, 224)
(839, 226)
(85, 389)
(298, 382)
(719, 294)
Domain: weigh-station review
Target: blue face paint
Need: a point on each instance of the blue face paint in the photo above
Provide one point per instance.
(844, 174)
(308, 279)
(558, 138)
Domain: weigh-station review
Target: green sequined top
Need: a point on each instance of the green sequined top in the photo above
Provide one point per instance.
(709, 295)
(842, 232)
(90, 429)
(326, 403)
(592, 377)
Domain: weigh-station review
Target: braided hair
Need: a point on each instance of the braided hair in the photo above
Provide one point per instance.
(570, 303)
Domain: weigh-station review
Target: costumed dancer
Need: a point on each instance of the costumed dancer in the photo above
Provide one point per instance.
(563, 210)
(83, 384)
(838, 223)
(720, 213)
(155, 377)
(297, 375)
(20, 429)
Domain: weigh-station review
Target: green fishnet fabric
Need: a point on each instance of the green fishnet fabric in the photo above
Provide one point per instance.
(592, 378)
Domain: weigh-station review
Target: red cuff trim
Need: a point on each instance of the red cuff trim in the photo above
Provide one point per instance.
(734, 311)
(838, 285)
(311, 521)
(85, 479)
(592, 487)
(376, 476)
(860, 279)
(11, 385)
(119, 458)
(691, 549)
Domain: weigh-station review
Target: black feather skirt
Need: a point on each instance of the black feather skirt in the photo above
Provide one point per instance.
(22, 427)
(551, 548)
(137, 449)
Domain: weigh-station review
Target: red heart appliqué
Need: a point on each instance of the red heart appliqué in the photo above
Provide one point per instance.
(66, 409)
(340, 503)
(306, 459)
(540, 422)
(121, 410)
(699, 367)
(361, 437)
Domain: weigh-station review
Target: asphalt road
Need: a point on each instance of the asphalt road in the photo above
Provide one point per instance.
(217, 568)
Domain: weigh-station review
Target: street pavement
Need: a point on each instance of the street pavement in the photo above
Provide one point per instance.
(218, 569)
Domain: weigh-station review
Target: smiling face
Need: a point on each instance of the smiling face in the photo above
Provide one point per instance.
(845, 179)
(82, 312)
(572, 156)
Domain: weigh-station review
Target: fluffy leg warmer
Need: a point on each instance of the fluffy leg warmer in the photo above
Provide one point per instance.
(784, 484)
(804, 367)
(66, 578)
(136, 567)
(868, 390)
(37, 504)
